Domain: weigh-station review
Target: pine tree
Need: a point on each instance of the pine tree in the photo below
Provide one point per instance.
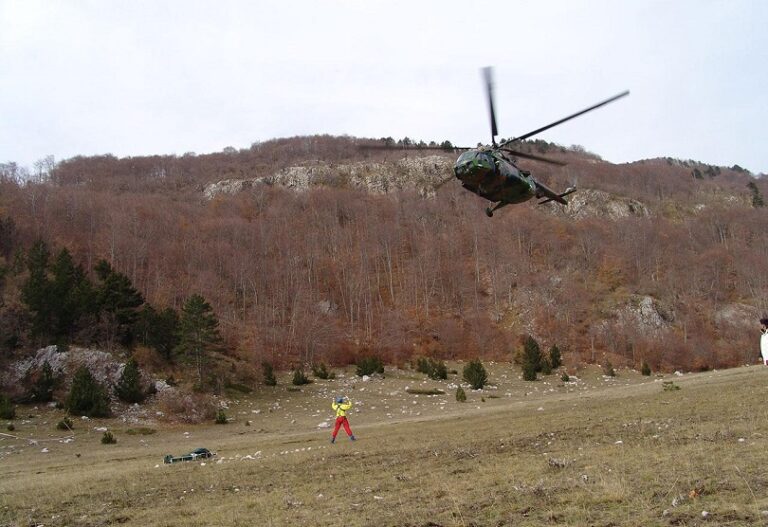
(87, 396)
(118, 302)
(268, 373)
(199, 334)
(36, 291)
(7, 409)
(128, 387)
(645, 369)
(531, 359)
(158, 330)
(72, 296)
(757, 197)
(555, 357)
(300, 378)
(8, 235)
(529, 371)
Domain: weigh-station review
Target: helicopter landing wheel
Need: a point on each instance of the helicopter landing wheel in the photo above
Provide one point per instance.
(489, 212)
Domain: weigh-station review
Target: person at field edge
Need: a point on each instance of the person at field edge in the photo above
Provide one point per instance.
(764, 340)
(341, 406)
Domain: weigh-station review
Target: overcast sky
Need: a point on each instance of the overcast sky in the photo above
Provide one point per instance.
(169, 77)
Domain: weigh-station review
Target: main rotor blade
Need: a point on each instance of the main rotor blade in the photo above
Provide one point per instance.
(534, 157)
(488, 74)
(561, 121)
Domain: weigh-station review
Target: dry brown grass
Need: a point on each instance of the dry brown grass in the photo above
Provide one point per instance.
(600, 452)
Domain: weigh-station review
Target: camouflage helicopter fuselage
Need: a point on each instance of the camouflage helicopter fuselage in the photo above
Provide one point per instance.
(490, 175)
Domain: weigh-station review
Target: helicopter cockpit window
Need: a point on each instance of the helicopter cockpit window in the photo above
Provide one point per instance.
(479, 158)
(485, 159)
(466, 156)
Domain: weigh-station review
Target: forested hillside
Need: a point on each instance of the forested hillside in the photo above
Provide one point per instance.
(659, 260)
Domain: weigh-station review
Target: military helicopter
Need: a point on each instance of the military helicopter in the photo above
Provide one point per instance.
(491, 173)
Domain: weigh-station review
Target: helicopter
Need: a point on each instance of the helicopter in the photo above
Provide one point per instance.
(491, 172)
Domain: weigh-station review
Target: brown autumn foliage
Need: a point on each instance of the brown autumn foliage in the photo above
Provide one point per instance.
(330, 273)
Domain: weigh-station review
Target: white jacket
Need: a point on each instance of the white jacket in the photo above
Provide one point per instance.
(764, 346)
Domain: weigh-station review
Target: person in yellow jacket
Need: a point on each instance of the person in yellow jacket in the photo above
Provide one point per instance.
(341, 406)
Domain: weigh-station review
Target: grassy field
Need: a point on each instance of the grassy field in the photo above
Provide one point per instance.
(598, 451)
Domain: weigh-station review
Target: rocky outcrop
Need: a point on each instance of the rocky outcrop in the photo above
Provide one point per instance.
(646, 313)
(737, 315)
(102, 365)
(419, 174)
(589, 203)
(230, 186)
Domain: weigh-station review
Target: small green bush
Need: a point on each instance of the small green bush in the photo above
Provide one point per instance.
(321, 371)
(565, 377)
(645, 369)
(529, 371)
(65, 424)
(129, 387)
(422, 365)
(141, 431)
(369, 366)
(7, 409)
(269, 373)
(546, 366)
(669, 386)
(87, 396)
(608, 369)
(42, 390)
(108, 438)
(221, 417)
(475, 374)
(433, 368)
(10, 427)
(461, 395)
(300, 378)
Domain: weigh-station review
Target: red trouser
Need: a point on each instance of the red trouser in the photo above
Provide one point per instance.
(341, 421)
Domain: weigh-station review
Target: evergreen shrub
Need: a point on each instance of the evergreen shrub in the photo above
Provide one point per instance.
(475, 374)
(269, 373)
(300, 378)
(369, 365)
